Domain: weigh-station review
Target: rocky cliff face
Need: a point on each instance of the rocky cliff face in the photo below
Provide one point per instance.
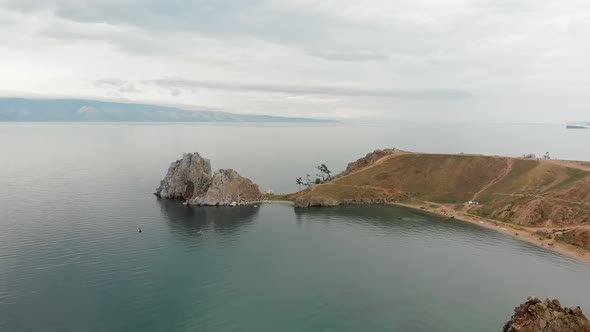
(186, 178)
(190, 178)
(226, 187)
(547, 316)
(366, 161)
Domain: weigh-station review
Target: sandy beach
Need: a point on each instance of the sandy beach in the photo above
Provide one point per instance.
(521, 232)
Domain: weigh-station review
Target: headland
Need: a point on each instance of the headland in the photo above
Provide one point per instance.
(542, 201)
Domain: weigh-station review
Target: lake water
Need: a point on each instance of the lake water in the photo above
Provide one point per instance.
(71, 258)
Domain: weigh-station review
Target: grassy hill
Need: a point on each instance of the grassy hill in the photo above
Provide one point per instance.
(521, 191)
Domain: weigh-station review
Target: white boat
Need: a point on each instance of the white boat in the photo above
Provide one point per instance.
(578, 125)
(233, 204)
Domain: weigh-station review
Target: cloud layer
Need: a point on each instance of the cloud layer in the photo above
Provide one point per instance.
(399, 60)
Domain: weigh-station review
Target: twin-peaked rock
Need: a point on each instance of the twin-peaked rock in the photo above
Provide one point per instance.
(191, 179)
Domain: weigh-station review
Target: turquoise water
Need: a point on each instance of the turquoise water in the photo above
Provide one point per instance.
(71, 258)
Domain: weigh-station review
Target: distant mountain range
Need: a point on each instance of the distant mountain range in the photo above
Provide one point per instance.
(79, 110)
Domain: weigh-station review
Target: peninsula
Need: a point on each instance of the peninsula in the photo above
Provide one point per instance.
(546, 202)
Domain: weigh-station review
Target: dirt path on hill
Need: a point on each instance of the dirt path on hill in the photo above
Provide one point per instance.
(498, 178)
(543, 197)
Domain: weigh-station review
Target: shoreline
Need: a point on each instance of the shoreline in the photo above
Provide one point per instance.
(520, 232)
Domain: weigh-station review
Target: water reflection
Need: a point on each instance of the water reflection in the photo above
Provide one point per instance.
(375, 212)
(401, 222)
(387, 216)
(188, 220)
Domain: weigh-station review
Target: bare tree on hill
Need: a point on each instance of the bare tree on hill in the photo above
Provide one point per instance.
(324, 172)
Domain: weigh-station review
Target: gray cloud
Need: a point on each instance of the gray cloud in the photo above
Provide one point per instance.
(177, 83)
(297, 25)
(110, 82)
(175, 92)
(116, 84)
(131, 40)
(129, 88)
(345, 58)
(353, 57)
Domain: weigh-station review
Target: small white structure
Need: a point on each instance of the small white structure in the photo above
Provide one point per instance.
(473, 203)
(233, 204)
(270, 192)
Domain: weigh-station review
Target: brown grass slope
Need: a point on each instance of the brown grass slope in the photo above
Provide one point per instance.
(521, 191)
(431, 177)
(539, 193)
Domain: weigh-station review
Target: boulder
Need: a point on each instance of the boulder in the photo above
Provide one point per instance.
(226, 187)
(190, 179)
(548, 316)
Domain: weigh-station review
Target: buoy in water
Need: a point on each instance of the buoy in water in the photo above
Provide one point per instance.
(139, 230)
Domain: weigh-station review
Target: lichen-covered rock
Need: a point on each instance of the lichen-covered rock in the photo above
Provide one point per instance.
(190, 178)
(228, 186)
(186, 178)
(547, 316)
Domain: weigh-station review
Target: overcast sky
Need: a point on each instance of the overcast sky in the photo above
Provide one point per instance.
(393, 60)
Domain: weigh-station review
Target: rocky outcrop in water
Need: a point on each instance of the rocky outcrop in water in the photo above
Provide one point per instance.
(190, 178)
(547, 316)
(186, 178)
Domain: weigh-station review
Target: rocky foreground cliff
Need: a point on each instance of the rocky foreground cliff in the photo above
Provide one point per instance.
(548, 316)
(192, 180)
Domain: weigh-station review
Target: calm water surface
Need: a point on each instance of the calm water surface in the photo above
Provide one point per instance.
(71, 258)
